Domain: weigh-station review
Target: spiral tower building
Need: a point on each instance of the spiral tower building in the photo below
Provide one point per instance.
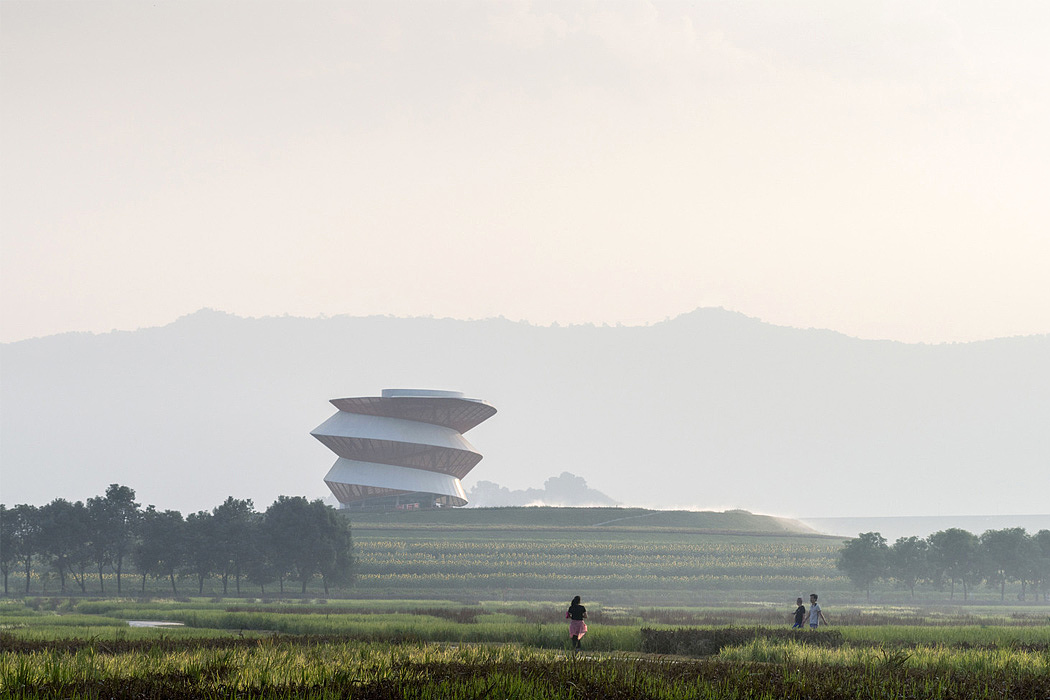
(404, 449)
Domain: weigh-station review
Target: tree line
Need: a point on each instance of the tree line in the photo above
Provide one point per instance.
(294, 539)
(952, 557)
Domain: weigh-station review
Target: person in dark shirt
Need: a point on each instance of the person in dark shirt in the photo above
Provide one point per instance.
(577, 627)
(800, 614)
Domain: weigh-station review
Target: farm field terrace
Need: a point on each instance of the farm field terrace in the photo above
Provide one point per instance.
(54, 648)
(630, 555)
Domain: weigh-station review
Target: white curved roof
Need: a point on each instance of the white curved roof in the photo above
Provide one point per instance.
(397, 441)
(453, 412)
(345, 424)
(368, 479)
(430, 393)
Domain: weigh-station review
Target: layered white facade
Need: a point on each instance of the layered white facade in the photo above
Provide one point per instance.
(402, 449)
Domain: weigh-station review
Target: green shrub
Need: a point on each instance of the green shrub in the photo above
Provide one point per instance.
(692, 641)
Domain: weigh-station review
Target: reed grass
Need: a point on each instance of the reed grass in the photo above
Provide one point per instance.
(297, 669)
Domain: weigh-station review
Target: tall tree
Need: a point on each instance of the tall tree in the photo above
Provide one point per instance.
(908, 561)
(161, 545)
(1041, 566)
(306, 539)
(954, 554)
(337, 552)
(7, 543)
(113, 518)
(64, 540)
(1031, 569)
(232, 522)
(864, 560)
(98, 537)
(25, 536)
(146, 554)
(199, 546)
(124, 515)
(1004, 556)
(258, 567)
(292, 537)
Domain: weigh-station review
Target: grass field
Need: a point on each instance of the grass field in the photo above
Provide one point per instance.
(58, 648)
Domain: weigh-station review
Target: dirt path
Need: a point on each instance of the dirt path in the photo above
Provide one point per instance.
(629, 517)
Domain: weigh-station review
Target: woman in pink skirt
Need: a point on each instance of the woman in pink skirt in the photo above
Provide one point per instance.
(577, 627)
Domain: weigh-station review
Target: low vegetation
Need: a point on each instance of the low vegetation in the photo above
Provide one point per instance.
(50, 648)
(633, 567)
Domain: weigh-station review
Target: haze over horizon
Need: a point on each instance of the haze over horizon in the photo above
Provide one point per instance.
(734, 412)
(874, 168)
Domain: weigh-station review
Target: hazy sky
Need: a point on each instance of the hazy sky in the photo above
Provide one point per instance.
(876, 168)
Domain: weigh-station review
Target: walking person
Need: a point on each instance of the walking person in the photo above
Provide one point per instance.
(576, 615)
(816, 617)
(800, 614)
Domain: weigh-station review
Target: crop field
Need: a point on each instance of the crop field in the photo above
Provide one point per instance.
(59, 648)
(628, 556)
(635, 558)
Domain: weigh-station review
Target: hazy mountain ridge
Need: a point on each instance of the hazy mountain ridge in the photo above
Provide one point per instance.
(711, 409)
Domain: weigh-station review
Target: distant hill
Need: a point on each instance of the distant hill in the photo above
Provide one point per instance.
(711, 410)
(584, 519)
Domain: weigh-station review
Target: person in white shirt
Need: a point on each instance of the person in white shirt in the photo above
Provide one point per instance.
(815, 615)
